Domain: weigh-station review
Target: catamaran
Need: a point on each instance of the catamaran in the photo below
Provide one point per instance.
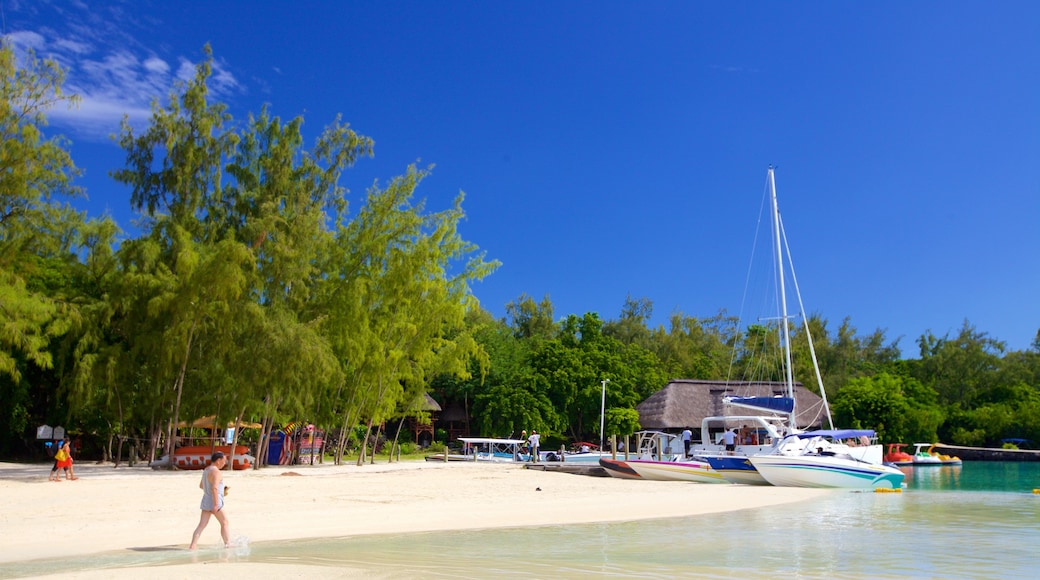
(814, 459)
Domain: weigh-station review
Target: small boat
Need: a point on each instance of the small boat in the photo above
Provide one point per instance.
(896, 456)
(660, 457)
(929, 457)
(493, 449)
(451, 457)
(821, 459)
(676, 470)
(198, 457)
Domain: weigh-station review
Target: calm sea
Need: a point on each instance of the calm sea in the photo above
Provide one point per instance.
(977, 521)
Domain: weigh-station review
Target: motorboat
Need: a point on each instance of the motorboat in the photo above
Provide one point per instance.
(674, 470)
(831, 459)
(660, 456)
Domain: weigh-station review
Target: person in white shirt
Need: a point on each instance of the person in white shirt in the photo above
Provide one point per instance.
(730, 438)
(533, 441)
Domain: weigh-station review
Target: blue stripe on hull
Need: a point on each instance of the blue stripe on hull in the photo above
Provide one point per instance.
(873, 477)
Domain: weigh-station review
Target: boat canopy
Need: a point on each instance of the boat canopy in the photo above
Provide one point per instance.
(777, 404)
(835, 433)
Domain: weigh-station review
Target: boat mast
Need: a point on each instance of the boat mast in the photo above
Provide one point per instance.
(784, 328)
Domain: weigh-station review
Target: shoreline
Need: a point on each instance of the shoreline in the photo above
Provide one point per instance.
(109, 510)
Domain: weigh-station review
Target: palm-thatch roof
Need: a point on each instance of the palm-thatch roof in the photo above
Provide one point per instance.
(430, 404)
(686, 402)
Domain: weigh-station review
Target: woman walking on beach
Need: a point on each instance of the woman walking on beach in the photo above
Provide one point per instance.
(212, 486)
(63, 460)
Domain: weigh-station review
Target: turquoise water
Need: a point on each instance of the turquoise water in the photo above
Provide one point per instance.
(977, 521)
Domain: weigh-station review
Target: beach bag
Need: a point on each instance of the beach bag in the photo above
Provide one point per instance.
(61, 455)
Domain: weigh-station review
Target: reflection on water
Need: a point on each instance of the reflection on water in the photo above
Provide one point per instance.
(932, 477)
(948, 524)
(1012, 476)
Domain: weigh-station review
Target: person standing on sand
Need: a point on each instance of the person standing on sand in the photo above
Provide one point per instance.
(54, 476)
(213, 490)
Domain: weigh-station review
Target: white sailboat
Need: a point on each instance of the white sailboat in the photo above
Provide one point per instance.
(814, 459)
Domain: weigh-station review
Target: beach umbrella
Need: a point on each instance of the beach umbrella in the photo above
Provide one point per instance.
(210, 422)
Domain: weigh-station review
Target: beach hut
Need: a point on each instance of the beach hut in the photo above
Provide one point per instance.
(423, 427)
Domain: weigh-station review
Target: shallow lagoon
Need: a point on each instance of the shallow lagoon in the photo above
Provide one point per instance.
(976, 521)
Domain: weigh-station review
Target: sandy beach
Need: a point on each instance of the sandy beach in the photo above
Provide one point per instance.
(110, 510)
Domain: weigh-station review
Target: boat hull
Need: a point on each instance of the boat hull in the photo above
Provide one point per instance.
(694, 471)
(826, 471)
(735, 469)
(934, 461)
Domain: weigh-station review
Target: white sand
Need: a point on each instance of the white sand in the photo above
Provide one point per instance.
(109, 509)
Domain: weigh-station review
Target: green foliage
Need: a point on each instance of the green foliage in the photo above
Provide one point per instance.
(621, 422)
(695, 348)
(35, 227)
(404, 447)
(959, 367)
(530, 320)
(876, 403)
(256, 291)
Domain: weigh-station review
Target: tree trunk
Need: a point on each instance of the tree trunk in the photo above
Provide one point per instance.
(396, 445)
(172, 429)
(118, 456)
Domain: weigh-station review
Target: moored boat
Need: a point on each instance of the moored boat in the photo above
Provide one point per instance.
(822, 459)
(762, 437)
(832, 458)
(650, 470)
(660, 457)
(896, 456)
(929, 457)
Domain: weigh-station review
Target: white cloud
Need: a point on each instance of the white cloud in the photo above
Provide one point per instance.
(222, 81)
(156, 65)
(109, 64)
(99, 116)
(186, 70)
(24, 39)
(75, 47)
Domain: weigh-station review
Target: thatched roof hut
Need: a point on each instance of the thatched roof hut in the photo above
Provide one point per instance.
(685, 402)
(430, 404)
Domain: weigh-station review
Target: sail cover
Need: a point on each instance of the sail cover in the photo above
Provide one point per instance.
(835, 433)
(775, 404)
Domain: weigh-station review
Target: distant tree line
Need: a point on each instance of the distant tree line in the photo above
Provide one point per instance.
(966, 389)
(255, 291)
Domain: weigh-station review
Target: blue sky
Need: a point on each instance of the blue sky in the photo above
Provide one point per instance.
(614, 149)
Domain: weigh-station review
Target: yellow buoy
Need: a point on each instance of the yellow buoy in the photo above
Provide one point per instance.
(892, 490)
(1036, 491)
